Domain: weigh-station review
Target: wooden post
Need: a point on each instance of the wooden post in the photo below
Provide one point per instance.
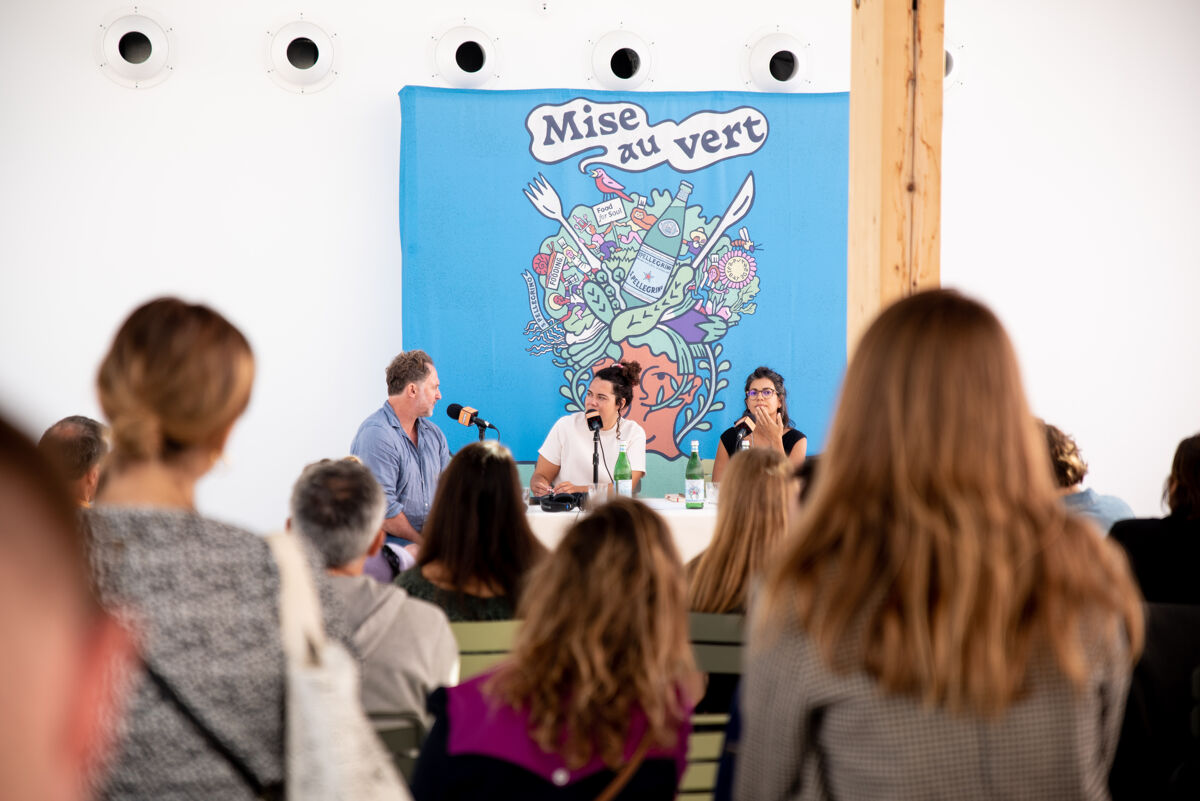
(897, 64)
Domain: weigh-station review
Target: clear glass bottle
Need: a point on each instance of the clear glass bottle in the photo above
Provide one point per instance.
(693, 479)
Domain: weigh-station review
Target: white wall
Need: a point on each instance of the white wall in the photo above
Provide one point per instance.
(1070, 199)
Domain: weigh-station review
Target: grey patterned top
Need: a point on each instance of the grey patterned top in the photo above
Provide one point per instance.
(810, 733)
(205, 599)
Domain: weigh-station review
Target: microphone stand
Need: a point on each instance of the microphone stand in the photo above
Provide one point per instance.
(483, 429)
(596, 456)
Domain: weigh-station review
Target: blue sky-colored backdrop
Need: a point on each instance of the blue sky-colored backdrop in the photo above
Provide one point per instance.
(468, 235)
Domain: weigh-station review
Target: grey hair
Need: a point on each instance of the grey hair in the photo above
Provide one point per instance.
(338, 506)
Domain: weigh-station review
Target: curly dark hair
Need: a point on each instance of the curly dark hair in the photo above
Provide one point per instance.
(624, 377)
(777, 380)
(1069, 467)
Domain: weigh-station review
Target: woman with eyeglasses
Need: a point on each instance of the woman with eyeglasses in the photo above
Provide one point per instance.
(769, 424)
(565, 459)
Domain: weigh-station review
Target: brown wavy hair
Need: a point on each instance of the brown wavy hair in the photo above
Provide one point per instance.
(1065, 458)
(605, 631)
(177, 374)
(934, 553)
(752, 520)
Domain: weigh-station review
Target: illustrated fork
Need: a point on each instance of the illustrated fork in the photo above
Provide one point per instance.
(543, 197)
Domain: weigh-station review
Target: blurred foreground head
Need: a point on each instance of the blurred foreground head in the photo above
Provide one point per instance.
(177, 377)
(936, 525)
(61, 654)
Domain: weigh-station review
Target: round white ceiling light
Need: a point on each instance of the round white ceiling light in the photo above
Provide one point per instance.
(300, 57)
(778, 62)
(621, 60)
(136, 50)
(465, 57)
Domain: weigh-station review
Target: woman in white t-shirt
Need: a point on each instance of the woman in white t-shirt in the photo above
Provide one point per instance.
(565, 459)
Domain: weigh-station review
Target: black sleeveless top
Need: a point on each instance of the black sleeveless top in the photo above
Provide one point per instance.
(790, 438)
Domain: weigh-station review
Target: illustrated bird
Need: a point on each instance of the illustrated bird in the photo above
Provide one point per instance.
(608, 185)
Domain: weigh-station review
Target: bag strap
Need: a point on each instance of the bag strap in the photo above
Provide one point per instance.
(300, 624)
(630, 767)
(214, 741)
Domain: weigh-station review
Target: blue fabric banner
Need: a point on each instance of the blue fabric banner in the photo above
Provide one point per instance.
(548, 233)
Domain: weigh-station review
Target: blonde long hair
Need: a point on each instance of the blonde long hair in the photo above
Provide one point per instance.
(751, 522)
(935, 554)
(605, 632)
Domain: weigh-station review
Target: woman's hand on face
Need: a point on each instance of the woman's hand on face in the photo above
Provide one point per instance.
(770, 426)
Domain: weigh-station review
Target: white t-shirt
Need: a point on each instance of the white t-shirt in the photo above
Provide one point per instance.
(569, 445)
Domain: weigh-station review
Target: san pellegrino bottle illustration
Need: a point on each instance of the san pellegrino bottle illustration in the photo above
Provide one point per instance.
(694, 479)
(651, 268)
(623, 474)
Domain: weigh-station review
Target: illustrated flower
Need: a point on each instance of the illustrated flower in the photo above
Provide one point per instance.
(737, 267)
(541, 263)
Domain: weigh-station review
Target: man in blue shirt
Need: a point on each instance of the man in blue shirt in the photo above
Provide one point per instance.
(404, 450)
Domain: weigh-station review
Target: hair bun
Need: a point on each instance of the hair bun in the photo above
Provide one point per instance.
(137, 435)
(633, 371)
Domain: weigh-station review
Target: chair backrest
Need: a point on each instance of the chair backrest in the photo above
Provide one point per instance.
(483, 644)
(402, 735)
(717, 641)
(1157, 750)
(717, 646)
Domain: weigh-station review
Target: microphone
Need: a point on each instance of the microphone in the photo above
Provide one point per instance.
(593, 420)
(468, 416)
(744, 427)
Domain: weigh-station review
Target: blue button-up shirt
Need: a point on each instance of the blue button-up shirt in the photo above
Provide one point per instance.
(408, 473)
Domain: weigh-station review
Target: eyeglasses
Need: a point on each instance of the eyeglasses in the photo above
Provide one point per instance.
(759, 393)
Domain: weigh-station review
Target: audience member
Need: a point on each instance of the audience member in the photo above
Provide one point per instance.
(76, 446)
(938, 625)
(478, 546)
(403, 448)
(1069, 470)
(406, 645)
(751, 522)
(206, 719)
(599, 687)
(1164, 552)
(62, 654)
(757, 494)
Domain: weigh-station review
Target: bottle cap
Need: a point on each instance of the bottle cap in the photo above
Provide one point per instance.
(695, 444)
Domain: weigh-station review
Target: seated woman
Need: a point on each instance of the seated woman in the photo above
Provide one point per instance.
(600, 684)
(205, 594)
(751, 522)
(938, 625)
(1164, 551)
(565, 459)
(758, 492)
(478, 545)
(770, 426)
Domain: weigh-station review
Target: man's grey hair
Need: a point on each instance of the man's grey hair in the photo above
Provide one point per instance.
(74, 445)
(338, 506)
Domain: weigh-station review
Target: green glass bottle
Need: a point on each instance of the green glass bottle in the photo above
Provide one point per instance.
(694, 479)
(655, 260)
(623, 474)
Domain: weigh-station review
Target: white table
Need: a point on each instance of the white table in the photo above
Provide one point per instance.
(692, 529)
